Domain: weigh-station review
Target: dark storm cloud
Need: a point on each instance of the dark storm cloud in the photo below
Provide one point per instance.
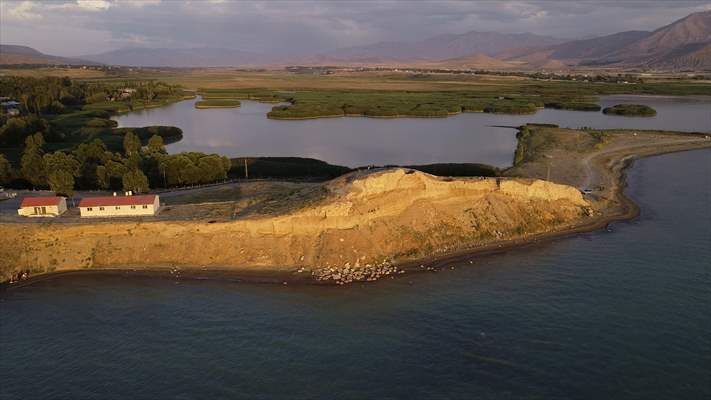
(73, 27)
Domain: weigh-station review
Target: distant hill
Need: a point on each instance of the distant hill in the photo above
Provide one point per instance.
(683, 44)
(696, 56)
(674, 45)
(442, 47)
(180, 58)
(12, 54)
(576, 51)
(474, 61)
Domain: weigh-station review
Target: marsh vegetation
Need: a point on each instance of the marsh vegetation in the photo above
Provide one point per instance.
(631, 110)
(217, 103)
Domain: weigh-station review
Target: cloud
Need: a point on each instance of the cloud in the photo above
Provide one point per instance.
(23, 11)
(140, 3)
(94, 5)
(313, 26)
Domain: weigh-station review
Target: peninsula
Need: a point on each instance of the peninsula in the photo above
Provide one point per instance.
(362, 226)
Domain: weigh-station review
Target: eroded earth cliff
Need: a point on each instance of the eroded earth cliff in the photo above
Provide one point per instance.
(361, 229)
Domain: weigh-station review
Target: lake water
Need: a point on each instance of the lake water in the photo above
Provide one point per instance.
(623, 314)
(357, 141)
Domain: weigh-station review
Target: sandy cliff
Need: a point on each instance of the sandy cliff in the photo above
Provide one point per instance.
(363, 226)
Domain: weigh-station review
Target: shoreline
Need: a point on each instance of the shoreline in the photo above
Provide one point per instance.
(207, 107)
(399, 116)
(617, 161)
(627, 210)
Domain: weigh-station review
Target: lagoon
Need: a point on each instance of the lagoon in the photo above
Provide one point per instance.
(358, 141)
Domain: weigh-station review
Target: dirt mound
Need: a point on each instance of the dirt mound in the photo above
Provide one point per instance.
(364, 225)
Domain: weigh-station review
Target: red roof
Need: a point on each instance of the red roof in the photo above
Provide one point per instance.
(40, 201)
(117, 200)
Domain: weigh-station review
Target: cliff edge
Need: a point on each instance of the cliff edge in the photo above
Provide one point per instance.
(365, 225)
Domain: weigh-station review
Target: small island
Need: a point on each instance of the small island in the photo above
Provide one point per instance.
(218, 103)
(573, 106)
(630, 110)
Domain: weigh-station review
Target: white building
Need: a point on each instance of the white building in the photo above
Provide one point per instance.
(119, 206)
(51, 206)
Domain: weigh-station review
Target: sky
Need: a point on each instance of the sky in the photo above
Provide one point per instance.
(80, 27)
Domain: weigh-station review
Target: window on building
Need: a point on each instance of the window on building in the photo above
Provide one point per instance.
(133, 207)
(89, 209)
(145, 206)
(118, 208)
(101, 208)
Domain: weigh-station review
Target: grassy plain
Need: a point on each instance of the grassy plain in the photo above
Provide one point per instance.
(388, 94)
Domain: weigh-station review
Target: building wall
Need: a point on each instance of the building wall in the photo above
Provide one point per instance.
(121, 211)
(52, 211)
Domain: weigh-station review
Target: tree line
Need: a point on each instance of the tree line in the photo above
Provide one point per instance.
(60, 113)
(65, 110)
(91, 166)
(52, 95)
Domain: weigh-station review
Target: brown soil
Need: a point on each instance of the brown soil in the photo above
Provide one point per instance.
(356, 227)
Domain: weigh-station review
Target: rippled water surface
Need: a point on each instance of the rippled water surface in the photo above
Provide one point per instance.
(623, 314)
(468, 137)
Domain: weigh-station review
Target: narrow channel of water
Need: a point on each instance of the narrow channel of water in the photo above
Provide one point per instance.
(357, 141)
(620, 314)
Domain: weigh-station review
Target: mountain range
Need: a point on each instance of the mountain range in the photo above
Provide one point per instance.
(444, 47)
(11, 54)
(189, 57)
(683, 44)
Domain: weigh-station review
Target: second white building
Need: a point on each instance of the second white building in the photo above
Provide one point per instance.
(119, 206)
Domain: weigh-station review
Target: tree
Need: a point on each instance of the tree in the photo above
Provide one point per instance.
(5, 169)
(61, 169)
(135, 181)
(60, 161)
(32, 164)
(94, 151)
(61, 182)
(103, 180)
(115, 168)
(17, 129)
(133, 161)
(212, 168)
(151, 166)
(131, 143)
(110, 175)
(90, 156)
(156, 145)
(35, 141)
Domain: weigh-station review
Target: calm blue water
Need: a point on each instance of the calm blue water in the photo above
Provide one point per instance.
(624, 314)
(468, 137)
